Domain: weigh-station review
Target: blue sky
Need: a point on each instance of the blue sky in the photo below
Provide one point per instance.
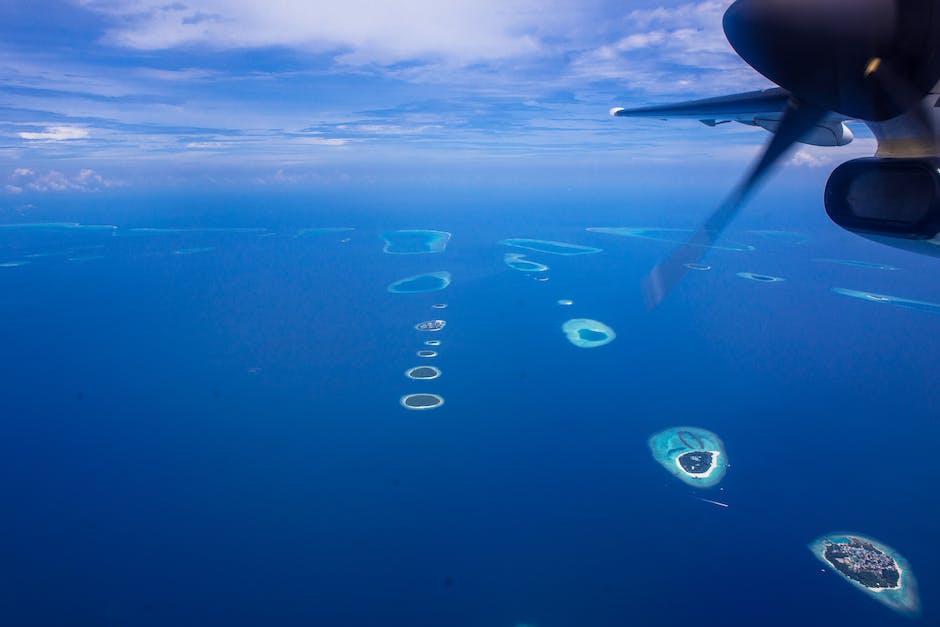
(98, 94)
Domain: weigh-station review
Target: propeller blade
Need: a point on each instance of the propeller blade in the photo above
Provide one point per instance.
(798, 119)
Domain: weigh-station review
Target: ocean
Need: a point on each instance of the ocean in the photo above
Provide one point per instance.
(201, 417)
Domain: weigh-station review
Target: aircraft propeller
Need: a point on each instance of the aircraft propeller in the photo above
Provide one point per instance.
(870, 60)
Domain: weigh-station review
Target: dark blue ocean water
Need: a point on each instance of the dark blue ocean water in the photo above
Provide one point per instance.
(215, 438)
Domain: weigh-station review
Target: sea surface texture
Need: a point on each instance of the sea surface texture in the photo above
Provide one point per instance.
(205, 417)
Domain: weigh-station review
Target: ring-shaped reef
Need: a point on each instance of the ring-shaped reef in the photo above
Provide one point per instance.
(420, 283)
(761, 278)
(674, 236)
(550, 247)
(694, 455)
(423, 373)
(587, 333)
(414, 241)
(421, 401)
(565, 302)
(697, 266)
(439, 306)
(431, 325)
(897, 301)
(872, 567)
(426, 354)
(432, 343)
(518, 261)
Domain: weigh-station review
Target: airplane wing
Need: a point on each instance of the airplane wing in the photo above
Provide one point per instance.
(754, 108)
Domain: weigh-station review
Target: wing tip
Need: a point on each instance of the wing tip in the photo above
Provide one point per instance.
(617, 111)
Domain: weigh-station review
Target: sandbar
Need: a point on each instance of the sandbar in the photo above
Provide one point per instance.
(872, 567)
(420, 283)
(414, 241)
(587, 333)
(550, 247)
(694, 455)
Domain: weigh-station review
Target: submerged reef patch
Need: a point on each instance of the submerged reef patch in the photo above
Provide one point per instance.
(694, 455)
(897, 301)
(518, 261)
(414, 241)
(587, 333)
(872, 567)
(852, 263)
(550, 247)
(674, 236)
(419, 283)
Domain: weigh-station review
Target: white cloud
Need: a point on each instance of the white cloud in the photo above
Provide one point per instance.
(56, 133)
(85, 180)
(805, 158)
(368, 31)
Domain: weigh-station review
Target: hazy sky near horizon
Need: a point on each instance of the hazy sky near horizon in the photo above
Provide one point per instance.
(103, 93)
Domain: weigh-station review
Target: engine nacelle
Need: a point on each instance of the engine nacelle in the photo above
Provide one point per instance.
(892, 201)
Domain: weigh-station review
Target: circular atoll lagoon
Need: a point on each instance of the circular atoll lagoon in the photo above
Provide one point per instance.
(421, 401)
(439, 306)
(432, 343)
(518, 261)
(423, 373)
(431, 325)
(697, 266)
(874, 568)
(763, 278)
(414, 241)
(430, 282)
(426, 354)
(695, 455)
(587, 333)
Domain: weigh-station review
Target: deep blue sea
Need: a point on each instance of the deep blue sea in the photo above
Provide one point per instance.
(200, 424)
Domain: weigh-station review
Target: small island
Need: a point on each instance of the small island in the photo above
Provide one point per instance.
(431, 325)
(694, 455)
(587, 333)
(873, 567)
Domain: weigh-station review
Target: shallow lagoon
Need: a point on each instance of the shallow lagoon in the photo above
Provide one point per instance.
(420, 283)
(414, 241)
